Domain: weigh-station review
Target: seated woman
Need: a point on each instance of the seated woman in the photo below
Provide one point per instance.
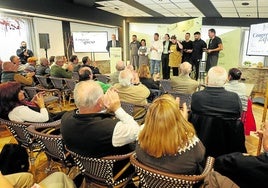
(148, 81)
(14, 107)
(168, 141)
(234, 85)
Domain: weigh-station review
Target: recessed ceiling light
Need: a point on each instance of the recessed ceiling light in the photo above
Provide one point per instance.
(245, 3)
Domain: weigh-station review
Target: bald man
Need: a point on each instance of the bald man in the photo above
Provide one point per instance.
(90, 131)
(120, 65)
(184, 83)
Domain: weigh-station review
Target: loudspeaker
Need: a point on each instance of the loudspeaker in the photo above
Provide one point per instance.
(44, 40)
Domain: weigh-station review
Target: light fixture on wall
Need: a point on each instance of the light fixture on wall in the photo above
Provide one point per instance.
(245, 3)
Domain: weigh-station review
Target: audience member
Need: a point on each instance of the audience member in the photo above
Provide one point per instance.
(120, 65)
(214, 47)
(10, 73)
(187, 48)
(16, 60)
(87, 63)
(234, 85)
(24, 53)
(175, 55)
(215, 114)
(184, 83)
(146, 79)
(75, 62)
(198, 47)
(245, 170)
(12, 104)
(25, 180)
(51, 60)
(90, 131)
(85, 73)
(143, 54)
(112, 43)
(134, 56)
(155, 56)
(168, 141)
(30, 65)
(165, 57)
(57, 70)
(43, 68)
(130, 90)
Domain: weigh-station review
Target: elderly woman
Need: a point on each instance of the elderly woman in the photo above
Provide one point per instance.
(168, 141)
(14, 107)
(234, 85)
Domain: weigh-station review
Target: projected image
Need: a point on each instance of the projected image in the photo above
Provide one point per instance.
(90, 41)
(258, 40)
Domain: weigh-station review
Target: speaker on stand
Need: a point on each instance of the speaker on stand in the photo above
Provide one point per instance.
(44, 41)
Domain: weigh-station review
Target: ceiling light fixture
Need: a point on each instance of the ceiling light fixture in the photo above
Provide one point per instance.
(245, 3)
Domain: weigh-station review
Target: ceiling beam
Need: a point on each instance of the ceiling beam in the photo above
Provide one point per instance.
(143, 8)
(206, 7)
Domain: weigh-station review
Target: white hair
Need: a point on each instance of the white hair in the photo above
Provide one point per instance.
(125, 78)
(185, 68)
(87, 93)
(58, 58)
(217, 76)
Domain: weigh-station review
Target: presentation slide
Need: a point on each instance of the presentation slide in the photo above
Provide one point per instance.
(258, 40)
(90, 41)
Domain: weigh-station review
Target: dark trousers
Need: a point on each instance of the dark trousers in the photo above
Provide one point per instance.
(165, 67)
(212, 60)
(195, 65)
(175, 71)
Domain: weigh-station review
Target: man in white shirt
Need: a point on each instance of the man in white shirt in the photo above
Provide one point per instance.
(90, 131)
(156, 52)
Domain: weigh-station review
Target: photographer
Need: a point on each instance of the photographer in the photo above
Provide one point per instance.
(24, 53)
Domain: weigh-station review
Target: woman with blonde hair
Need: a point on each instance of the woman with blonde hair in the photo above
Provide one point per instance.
(168, 141)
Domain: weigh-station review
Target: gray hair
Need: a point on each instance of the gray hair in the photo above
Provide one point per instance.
(185, 68)
(58, 58)
(87, 93)
(125, 77)
(217, 76)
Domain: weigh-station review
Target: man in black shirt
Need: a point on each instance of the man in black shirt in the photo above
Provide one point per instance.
(24, 53)
(198, 47)
(214, 47)
(187, 48)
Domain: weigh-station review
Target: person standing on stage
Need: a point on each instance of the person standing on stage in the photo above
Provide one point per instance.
(187, 48)
(156, 51)
(165, 57)
(134, 56)
(214, 47)
(198, 47)
(23, 53)
(112, 43)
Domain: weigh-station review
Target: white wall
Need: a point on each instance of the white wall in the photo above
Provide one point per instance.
(84, 27)
(54, 29)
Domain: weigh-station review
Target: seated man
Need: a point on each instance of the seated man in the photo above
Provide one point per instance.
(184, 83)
(75, 62)
(58, 71)
(85, 73)
(244, 170)
(87, 63)
(91, 131)
(43, 68)
(120, 65)
(10, 73)
(130, 90)
(215, 115)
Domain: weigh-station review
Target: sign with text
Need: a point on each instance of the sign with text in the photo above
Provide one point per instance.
(90, 41)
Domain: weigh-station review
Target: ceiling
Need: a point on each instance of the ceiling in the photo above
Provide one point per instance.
(186, 8)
